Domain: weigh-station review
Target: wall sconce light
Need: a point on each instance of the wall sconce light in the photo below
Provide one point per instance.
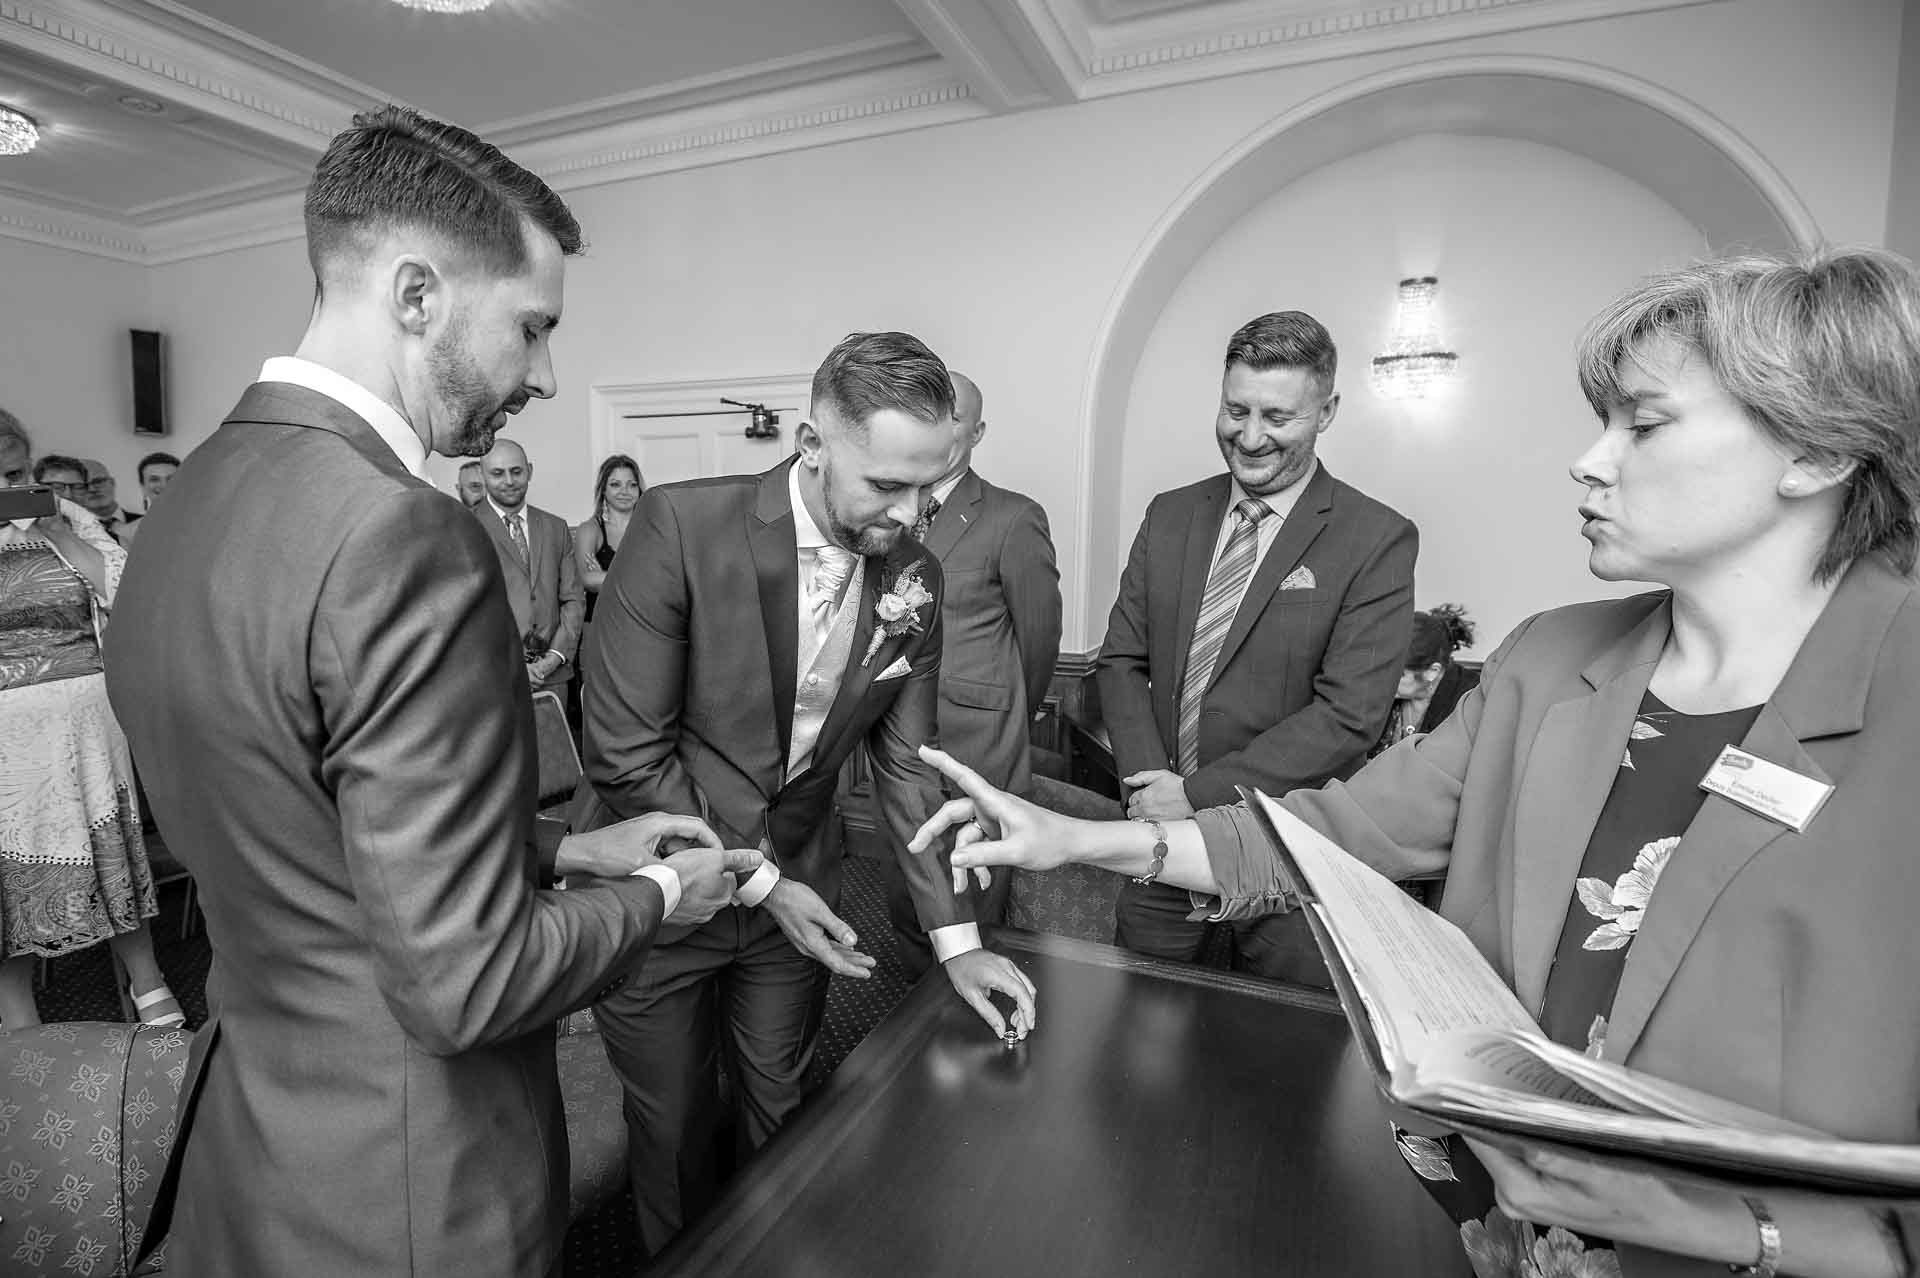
(1414, 359)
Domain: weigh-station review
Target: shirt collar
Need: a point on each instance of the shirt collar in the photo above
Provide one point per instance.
(507, 517)
(393, 429)
(944, 489)
(1282, 502)
(806, 533)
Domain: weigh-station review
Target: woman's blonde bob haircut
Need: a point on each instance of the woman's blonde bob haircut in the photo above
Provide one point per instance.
(1823, 354)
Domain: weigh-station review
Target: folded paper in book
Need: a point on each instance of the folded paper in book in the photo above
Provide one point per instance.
(1448, 1042)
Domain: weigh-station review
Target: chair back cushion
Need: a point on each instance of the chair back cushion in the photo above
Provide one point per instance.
(560, 768)
(86, 1122)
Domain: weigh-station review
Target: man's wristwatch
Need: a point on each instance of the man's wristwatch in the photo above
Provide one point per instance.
(1769, 1263)
(1159, 851)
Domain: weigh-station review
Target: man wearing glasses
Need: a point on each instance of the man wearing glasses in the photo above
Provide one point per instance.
(103, 502)
(1261, 625)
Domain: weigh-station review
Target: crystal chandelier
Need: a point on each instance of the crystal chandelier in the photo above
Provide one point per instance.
(18, 133)
(1414, 360)
(446, 6)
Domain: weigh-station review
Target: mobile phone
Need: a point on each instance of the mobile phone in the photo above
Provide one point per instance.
(29, 501)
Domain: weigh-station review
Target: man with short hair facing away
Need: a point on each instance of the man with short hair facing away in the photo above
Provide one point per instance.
(102, 501)
(336, 738)
(536, 558)
(773, 623)
(1001, 620)
(154, 471)
(1258, 634)
(471, 486)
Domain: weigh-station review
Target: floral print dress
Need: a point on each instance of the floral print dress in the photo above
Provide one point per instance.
(1655, 795)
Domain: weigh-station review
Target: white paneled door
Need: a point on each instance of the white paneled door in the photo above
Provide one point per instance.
(681, 430)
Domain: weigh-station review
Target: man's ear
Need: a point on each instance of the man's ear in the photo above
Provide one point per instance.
(416, 293)
(1327, 412)
(807, 441)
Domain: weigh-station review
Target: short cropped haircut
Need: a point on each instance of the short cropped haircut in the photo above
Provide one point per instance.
(56, 461)
(397, 168)
(869, 372)
(1821, 351)
(10, 428)
(154, 459)
(473, 464)
(1286, 339)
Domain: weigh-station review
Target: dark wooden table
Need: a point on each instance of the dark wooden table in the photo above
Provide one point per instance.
(1163, 1120)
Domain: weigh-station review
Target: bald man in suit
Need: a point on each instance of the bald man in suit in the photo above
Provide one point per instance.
(536, 558)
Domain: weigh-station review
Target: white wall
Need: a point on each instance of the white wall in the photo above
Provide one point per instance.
(65, 361)
(1528, 242)
(1001, 241)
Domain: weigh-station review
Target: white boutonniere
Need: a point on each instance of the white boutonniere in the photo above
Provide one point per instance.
(898, 610)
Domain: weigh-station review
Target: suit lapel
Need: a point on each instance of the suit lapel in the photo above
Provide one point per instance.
(1569, 773)
(957, 514)
(497, 529)
(776, 564)
(1824, 694)
(882, 571)
(1203, 530)
(1308, 519)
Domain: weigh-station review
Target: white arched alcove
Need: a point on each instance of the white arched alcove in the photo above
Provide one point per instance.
(1648, 136)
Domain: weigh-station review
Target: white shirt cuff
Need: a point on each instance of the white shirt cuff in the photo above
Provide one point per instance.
(758, 885)
(669, 880)
(954, 940)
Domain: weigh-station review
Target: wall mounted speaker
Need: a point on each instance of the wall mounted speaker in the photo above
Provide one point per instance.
(149, 383)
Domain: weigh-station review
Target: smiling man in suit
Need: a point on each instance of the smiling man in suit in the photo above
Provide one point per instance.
(536, 558)
(1262, 621)
(1001, 618)
(771, 624)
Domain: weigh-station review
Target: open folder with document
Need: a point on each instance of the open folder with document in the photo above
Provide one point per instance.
(1447, 1040)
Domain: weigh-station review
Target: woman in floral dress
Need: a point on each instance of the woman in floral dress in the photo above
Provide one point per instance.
(73, 865)
(1759, 459)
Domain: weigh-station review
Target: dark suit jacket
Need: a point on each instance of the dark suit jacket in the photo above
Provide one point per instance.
(690, 673)
(548, 600)
(319, 696)
(1773, 968)
(1305, 676)
(1002, 622)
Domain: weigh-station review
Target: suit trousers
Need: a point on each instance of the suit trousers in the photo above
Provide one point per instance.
(735, 986)
(1152, 920)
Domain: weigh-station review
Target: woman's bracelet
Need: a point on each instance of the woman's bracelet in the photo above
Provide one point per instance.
(1769, 1263)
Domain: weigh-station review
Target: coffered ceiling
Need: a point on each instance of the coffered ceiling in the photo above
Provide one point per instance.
(174, 128)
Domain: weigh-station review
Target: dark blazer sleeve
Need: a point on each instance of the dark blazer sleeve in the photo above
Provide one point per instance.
(635, 669)
(572, 594)
(1030, 579)
(427, 759)
(1121, 673)
(1351, 693)
(907, 789)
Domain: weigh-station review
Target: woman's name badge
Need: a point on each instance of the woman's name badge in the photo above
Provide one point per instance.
(1777, 793)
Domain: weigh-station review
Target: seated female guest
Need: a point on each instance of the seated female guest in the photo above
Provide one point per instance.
(1432, 683)
(1759, 459)
(616, 491)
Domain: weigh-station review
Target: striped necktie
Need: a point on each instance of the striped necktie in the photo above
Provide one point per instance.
(518, 536)
(1225, 585)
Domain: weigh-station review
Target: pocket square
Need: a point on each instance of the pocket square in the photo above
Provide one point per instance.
(1300, 578)
(899, 667)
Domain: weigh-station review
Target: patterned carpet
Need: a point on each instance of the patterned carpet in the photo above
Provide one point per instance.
(80, 987)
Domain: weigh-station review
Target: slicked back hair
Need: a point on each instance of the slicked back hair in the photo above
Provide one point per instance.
(1286, 339)
(397, 168)
(869, 372)
(1822, 352)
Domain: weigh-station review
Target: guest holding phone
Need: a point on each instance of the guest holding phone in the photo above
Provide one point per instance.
(1759, 461)
(73, 861)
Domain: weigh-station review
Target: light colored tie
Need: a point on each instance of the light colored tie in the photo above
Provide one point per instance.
(831, 564)
(1225, 584)
(518, 536)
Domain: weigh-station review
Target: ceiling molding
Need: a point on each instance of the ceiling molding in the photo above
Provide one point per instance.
(893, 100)
(1184, 45)
(1004, 54)
(66, 229)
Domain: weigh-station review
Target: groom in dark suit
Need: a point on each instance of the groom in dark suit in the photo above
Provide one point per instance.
(1261, 626)
(752, 632)
(310, 655)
